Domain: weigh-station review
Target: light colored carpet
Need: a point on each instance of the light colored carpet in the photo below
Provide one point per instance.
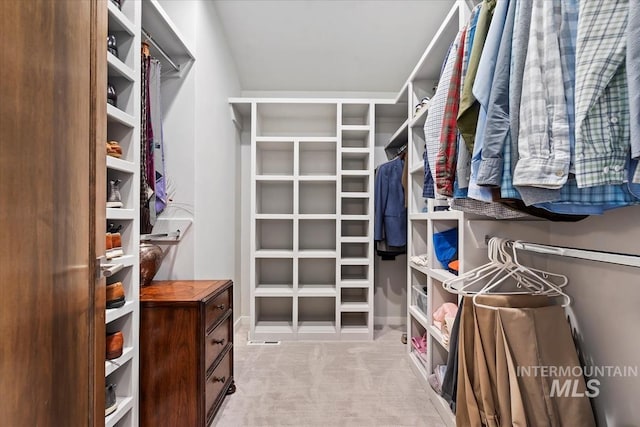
(360, 384)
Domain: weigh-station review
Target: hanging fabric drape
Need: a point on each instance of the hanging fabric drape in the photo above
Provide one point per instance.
(147, 218)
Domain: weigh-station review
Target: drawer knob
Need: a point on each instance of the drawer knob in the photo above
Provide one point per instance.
(219, 307)
(215, 341)
(218, 379)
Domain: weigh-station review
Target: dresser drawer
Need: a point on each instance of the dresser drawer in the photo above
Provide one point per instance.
(216, 341)
(217, 381)
(216, 308)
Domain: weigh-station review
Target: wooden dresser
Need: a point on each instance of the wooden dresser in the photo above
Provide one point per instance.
(186, 351)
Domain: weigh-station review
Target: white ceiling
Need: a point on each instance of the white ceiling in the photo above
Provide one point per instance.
(328, 45)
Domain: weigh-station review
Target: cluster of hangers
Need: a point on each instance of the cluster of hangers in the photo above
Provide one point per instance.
(503, 265)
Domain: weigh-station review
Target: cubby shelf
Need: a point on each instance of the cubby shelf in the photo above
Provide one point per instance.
(124, 405)
(119, 68)
(421, 317)
(312, 201)
(117, 313)
(110, 366)
(120, 213)
(437, 336)
(118, 21)
(115, 114)
(120, 165)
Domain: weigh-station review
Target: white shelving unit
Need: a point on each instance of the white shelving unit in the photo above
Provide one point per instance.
(123, 72)
(311, 268)
(427, 217)
(134, 22)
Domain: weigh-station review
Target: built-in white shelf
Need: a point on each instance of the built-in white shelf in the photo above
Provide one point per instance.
(421, 317)
(438, 336)
(354, 306)
(274, 177)
(354, 195)
(110, 366)
(354, 283)
(441, 274)
(419, 168)
(355, 261)
(419, 119)
(274, 290)
(118, 21)
(321, 178)
(419, 216)
(321, 152)
(317, 291)
(316, 253)
(348, 239)
(397, 140)
(275, 327)
(115, 114)
(273, 253)
(445, 215)
(124, 405)
(120, 213)
(355, 173)
(117, 68)
(117, 313)
(120, 165)
(176, 56)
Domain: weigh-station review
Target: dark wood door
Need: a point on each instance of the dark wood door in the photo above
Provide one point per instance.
(50, 126)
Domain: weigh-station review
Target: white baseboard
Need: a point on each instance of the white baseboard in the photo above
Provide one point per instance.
(241, 321)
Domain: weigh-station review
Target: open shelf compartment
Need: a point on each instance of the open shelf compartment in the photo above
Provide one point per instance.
(274, 197)
(274, 158)
(296, 119)
(274, 234)
(316, 314)
(274, 315)
(317, 197)
(317, 234)
(356, 114)
(317, 158)
(274, 276)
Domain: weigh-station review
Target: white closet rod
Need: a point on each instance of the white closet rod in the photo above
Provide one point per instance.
(601, 256)
(160, 50)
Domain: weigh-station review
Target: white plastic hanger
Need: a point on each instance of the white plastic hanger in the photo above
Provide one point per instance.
(503, 265)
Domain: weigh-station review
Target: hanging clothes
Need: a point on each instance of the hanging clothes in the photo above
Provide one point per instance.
(157, 142)
(147, 219)
(390, 215)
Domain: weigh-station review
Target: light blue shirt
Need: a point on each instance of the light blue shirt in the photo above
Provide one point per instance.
(482, 92)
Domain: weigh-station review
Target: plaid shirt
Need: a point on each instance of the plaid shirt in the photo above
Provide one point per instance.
(447, 153)
(433, 124)
(602, 99)
(543, 145)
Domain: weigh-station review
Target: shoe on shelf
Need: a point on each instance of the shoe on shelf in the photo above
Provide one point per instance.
(425, 101)
(114, 200)
(114, 344)
(115, 295)
(114, 149)
(113, 245)
(110, 402)
(117, 3)
(112, 45)
(112, 96)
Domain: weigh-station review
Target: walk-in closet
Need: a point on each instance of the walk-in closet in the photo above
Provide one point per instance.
(320, 212)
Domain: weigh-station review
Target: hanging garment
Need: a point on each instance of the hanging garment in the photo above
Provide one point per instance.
(543, 146)
(433, 123)
(447, 150)
(633, 80)
(602, 99)
(157, 142)
(468, 111)
(450, 381)
(390, 216)
(524, 331)
(146, 226)
(497, 132)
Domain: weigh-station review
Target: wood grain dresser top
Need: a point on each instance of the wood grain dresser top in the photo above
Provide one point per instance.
(181, 290)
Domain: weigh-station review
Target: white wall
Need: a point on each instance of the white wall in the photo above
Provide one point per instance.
(179, 144)
(204, 156)
(606, 306)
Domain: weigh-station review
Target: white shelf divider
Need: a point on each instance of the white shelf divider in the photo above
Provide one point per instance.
(120, 165)
(117, 115)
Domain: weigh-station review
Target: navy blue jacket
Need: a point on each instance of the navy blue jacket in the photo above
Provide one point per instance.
(390, 213)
